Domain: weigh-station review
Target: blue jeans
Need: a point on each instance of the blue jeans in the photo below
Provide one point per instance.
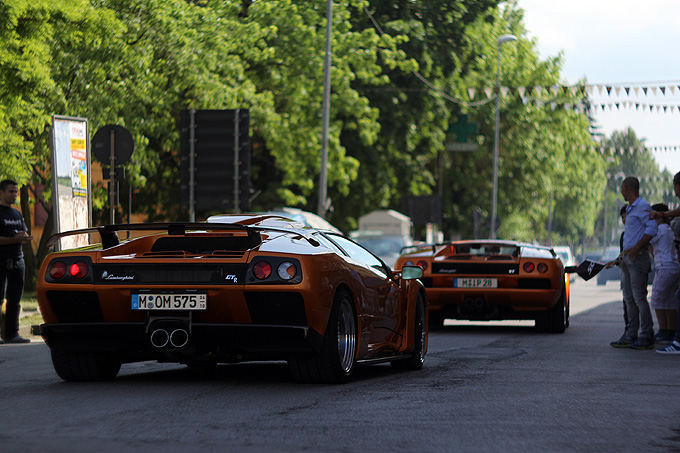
(11, 286)
(677, 316)
(634, 274)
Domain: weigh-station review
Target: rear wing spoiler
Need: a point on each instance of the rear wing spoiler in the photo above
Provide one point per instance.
(423, 247)
(109, 238)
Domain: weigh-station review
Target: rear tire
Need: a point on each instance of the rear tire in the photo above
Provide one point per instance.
(555, 320)
(435, 320)
(337, 359)
(85, 365)
(415, 361)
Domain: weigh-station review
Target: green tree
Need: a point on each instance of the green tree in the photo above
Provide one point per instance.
(626, 155)
(413, 117)
(546, 161)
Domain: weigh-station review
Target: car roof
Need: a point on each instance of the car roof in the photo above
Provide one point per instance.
(294, 215)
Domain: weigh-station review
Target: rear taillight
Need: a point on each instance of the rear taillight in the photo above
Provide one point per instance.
(262, 270)
(78, 269)
(57, 269)
(422, 264)
(542, 268)
(528, 267)
(286, 270)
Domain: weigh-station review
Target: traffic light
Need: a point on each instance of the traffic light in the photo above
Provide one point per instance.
(217, 135)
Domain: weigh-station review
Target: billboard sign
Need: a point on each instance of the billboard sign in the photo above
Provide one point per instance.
(71, 193)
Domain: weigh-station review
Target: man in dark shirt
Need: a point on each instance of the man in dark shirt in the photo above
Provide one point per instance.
(13, 233)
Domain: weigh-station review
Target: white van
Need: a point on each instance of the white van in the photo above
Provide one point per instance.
(564, 253)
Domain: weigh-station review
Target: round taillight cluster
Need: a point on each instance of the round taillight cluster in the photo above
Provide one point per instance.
(286, 270)
(78, 269)
(422, 264)
(276, 270)
(262, 270)
(530, 267)
(59, 269)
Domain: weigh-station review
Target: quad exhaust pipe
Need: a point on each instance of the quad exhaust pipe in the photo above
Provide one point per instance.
(159, 338)
(177, 338)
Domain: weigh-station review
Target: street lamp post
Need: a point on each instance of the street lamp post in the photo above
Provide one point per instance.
(496, 138)
(322, 206)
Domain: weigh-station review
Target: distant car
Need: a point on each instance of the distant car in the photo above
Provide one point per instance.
(387, 247)
(492, 280)
(564, 252)
(305, 218)
(614, 272)
(255, 288)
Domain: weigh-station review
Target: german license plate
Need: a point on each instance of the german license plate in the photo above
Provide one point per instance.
(475, 283)
(169, 301)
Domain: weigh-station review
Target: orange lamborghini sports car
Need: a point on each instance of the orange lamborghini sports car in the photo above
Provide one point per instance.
(492, 280)
(256, 288)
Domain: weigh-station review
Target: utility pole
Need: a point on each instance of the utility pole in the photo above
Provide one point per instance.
(323, 176)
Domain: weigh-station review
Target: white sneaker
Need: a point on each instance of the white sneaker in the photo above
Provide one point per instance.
(671, 348)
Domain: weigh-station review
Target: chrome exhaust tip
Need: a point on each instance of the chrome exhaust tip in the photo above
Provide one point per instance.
(159, 338)
(179, 338)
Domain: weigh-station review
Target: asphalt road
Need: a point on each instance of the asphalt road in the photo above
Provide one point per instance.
(483, 388)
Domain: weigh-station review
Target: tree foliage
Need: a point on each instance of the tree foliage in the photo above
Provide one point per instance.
(400, 74)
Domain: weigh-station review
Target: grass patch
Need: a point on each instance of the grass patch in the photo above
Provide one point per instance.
(30, 314)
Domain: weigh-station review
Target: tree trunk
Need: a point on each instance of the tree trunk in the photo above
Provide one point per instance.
(29, 255)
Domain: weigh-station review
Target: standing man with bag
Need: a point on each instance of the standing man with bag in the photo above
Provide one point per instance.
(13, 233)
(635, 265)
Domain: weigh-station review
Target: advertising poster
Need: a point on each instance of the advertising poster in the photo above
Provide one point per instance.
(71, 178)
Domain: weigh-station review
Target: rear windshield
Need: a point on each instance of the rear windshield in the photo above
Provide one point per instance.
(480, 249)
(535, 252)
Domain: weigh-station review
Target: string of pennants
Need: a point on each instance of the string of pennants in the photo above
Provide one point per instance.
(638, 106)
(578, 90)
(656, 179)
(580, 97)
(624, 151)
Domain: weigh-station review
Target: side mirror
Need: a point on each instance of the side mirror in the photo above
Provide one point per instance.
(411, 272)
